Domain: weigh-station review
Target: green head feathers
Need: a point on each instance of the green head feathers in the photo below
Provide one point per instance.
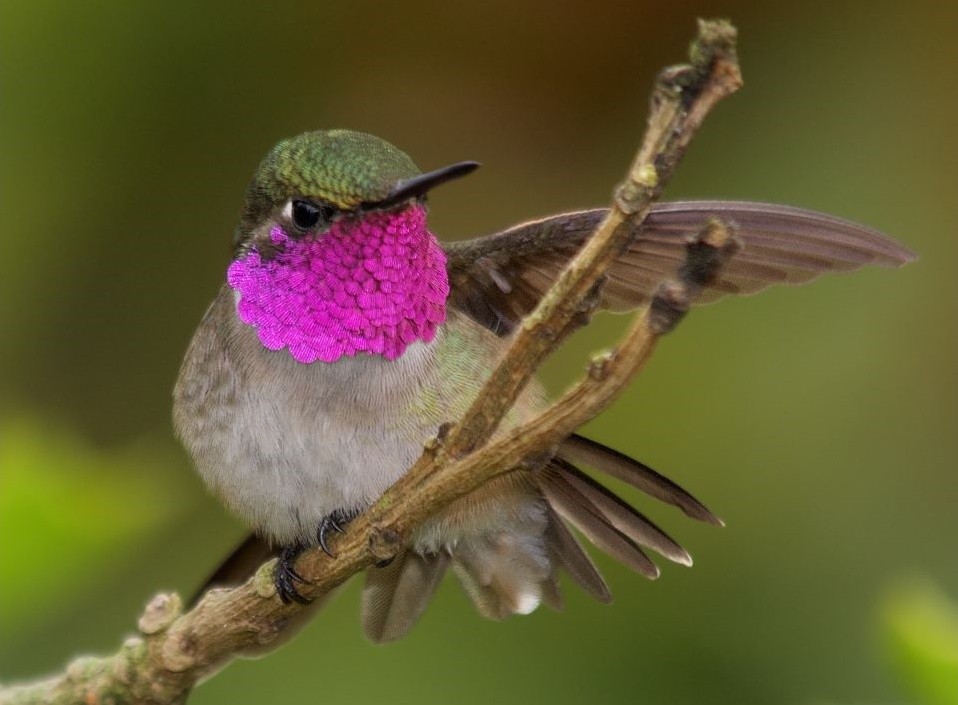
(340, 167)
(337, 170)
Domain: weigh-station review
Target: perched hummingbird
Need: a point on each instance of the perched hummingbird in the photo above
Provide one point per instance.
(346, 333)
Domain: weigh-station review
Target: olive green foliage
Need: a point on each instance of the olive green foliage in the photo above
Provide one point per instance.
(67, 510)
(921, 636)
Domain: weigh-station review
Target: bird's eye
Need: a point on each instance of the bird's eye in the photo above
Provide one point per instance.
(305, 214)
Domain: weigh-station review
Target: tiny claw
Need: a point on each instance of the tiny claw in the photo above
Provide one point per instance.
(324, 526)
(332, 522)
(286, 576)
(294, 574)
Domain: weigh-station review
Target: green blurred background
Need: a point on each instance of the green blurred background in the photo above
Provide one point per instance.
(819, 422)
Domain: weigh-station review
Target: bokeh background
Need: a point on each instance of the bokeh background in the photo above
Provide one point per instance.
(819, 422)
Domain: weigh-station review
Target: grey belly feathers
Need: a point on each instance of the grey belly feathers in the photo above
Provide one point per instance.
(284, 444)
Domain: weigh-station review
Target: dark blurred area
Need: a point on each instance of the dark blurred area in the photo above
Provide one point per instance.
(819, 422)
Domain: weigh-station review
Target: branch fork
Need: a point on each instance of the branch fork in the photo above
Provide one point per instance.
(175, 651)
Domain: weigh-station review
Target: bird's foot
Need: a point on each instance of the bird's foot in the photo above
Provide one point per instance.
(285, 577)
(332, 522)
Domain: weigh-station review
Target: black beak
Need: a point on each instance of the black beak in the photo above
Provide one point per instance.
(420, 185)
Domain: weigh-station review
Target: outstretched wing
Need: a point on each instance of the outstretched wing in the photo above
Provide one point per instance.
(500, 278)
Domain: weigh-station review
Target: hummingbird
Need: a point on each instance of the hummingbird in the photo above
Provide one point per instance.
(345, 333)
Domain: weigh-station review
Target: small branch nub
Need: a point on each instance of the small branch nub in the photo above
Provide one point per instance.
(706, 255)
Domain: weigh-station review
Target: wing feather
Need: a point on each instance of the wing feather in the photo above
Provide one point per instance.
(500, 278)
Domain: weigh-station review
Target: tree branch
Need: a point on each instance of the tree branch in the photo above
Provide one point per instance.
(174, 651)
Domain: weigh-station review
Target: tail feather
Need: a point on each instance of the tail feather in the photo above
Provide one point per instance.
(584, 516)
(571, 557)
(395, 596)
(579, 450)
(552, 593)
(620, 515)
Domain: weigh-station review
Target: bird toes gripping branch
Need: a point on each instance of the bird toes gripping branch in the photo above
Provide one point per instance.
(285, 576)
(332, 522)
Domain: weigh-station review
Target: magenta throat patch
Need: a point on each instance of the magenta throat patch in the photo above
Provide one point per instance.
(373, 284)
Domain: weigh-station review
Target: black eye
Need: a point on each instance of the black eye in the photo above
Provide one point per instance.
(305, 214)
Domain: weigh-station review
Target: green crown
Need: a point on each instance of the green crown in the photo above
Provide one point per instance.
(341, 167)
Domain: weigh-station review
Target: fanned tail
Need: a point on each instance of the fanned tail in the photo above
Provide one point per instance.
(607, 520)
(512, 566)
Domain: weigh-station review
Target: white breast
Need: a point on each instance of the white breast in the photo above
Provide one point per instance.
(284, 444)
